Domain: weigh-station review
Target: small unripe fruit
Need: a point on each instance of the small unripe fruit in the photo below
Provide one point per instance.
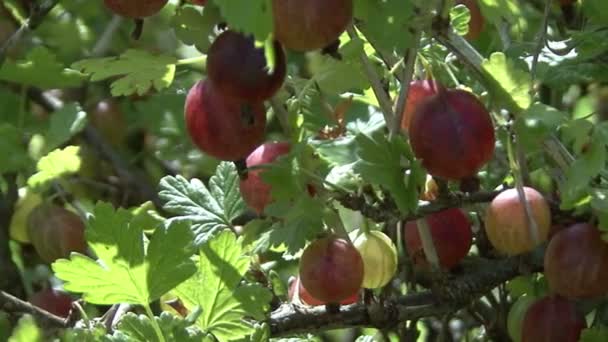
(515, 319)
(306, 298)
(477, 21)
(136, 9)
(452, 238)
(55, 232)
(507, 226)
(379, 257)
(237, 68)
(417, 92)
(576, 262)
(223, 127)
(552, 319)
(331, 269)
(312, 24)
(55, 302)
(452, 133)
(257, 193)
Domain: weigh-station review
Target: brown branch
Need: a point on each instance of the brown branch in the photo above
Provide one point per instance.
(386, 211)
(46, 319)
(11, 278)
(479, 277)
(39, 12)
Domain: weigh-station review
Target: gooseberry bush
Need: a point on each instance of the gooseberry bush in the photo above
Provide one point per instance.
(288, 170)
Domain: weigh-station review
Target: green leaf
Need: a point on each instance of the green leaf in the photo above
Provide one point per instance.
(497, 10)
(337, 76)
(124, 272)
(510, 79)
(382, 162)
(575, 71)
(535, 124)
(194, 28)
(40, 69)
(209, 209)
(139, 328)
(13, 155)
(54, 165)
(582, 170)
(460, 16)
(95, 331)
(217, 289)
(300, 220)
(252, 16)
(595, 334)
(140, 71)
(65, 123)
(596, 10)
(26, 331)
(386, 23)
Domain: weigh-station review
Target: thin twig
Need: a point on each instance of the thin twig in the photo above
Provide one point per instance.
(383, 98)
(12, 304)
(38, 14)
(542, 36)
(406, 77)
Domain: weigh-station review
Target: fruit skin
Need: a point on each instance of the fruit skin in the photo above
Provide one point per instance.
(417, 91)
(552, 319)
(109, 120)
(331, 269)
(477, 21)
(55, 232)
(379, 257)
(53, 301)
(452, 238)
(307, 299)
(576, 261)
(223, 127)
(256, 192)
(506, 223)
(312, 24)
(515, 319)
(237, 68)
(136, 9)
(452, 133)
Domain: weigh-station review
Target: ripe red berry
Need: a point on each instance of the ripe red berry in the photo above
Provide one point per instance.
(331, 269)
(237, 68)
(417, 92)
(452, 238)
(552, 319)
(452, 133)
(306, 298)
(256, 192)
(136, 9)
(576, 261)
(226, 128)
(55, 302)
(311, 24)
